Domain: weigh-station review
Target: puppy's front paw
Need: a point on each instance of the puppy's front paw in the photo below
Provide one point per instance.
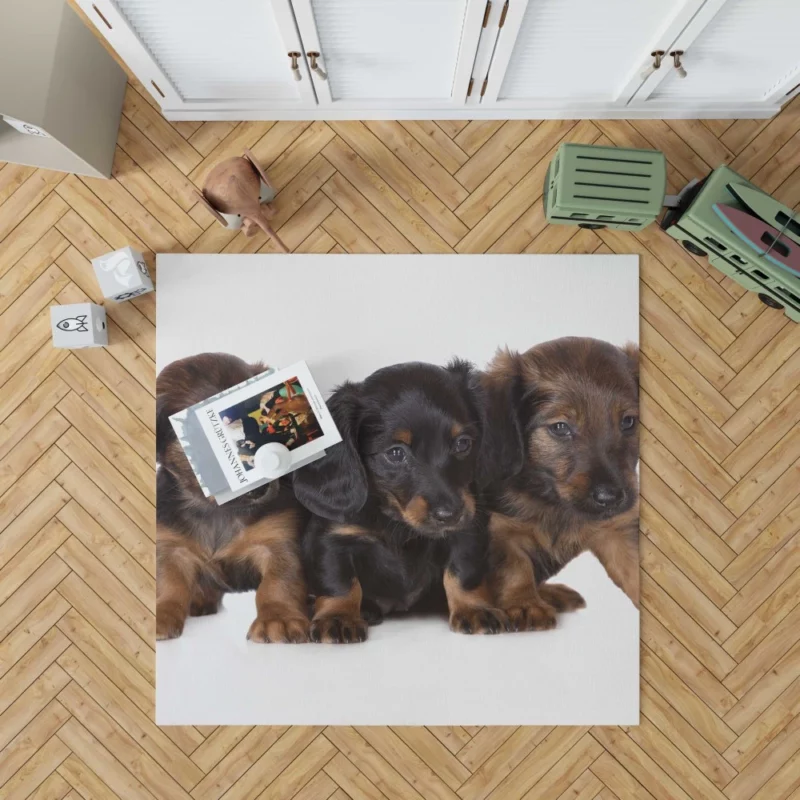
(479, 620)
(338, 629)
(277, 626)
(169, 622)
(561, 597)
(532, 617)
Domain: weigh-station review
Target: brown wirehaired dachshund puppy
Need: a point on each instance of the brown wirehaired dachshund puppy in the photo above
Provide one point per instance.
(565, 443)
(397, 518)
(204, 550)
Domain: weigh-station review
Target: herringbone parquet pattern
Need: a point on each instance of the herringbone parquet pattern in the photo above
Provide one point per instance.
(720, 470)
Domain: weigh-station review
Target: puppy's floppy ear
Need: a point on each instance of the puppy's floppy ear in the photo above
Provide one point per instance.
(500, 396)
(164, 431)
(631, 350)
(335, 486)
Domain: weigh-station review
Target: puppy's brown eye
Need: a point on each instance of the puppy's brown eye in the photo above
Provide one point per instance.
(395, 455)
(462, 445)
(561, 429)
(627, 422)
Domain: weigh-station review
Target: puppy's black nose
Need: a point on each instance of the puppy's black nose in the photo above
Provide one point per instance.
(445, 513)
(605, 495)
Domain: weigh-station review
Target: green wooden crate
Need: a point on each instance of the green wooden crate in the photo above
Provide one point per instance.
(605, 187)
(701, 231)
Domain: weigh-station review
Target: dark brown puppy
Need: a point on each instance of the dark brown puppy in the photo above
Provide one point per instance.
(566, 448)
(204, 550)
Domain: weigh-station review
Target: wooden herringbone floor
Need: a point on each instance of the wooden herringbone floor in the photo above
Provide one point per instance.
(720, 469)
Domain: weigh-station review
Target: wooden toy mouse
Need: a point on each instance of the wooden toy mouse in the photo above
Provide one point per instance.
(234, 188)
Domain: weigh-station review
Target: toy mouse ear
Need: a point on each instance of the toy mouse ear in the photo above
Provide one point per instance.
(335, 486)
(214, 213)
(261, 174)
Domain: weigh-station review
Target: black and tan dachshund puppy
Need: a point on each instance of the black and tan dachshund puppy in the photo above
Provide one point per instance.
(396, 513)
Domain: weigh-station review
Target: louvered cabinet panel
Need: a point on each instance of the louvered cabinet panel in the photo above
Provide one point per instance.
(390, 51)
(211, 49)
(749, 51)
(206, 51)
(435, 59)
(580, 50)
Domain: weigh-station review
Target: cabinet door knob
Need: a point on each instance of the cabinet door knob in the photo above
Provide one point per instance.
(657, 56)
(313, 56)
(676, 59)
(295, 66)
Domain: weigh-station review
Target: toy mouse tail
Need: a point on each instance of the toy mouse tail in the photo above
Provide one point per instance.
(262, 223)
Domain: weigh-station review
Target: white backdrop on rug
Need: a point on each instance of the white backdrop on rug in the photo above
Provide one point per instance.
(347, 315)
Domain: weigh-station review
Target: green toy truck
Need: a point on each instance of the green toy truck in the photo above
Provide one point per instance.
(610, 187)
(701, 231)
(605, 187)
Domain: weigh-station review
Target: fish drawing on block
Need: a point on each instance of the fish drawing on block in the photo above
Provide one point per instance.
(764, 239)
(74, 324)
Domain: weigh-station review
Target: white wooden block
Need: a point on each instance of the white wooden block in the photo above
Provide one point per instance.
(78, 325)
(122, 274)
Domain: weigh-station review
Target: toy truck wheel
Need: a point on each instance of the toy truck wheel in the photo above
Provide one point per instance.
(693, 248)
(769, 301)
(592, 226)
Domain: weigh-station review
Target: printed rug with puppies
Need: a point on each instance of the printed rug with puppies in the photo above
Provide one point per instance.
(466, 554)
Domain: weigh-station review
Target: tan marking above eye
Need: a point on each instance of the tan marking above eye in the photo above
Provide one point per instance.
(402, 435)
(456, 430)
(560, 412)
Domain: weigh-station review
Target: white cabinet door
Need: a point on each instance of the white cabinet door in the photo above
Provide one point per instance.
(390, 53)
(565, 54)
(735, 51)
(208, 53)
